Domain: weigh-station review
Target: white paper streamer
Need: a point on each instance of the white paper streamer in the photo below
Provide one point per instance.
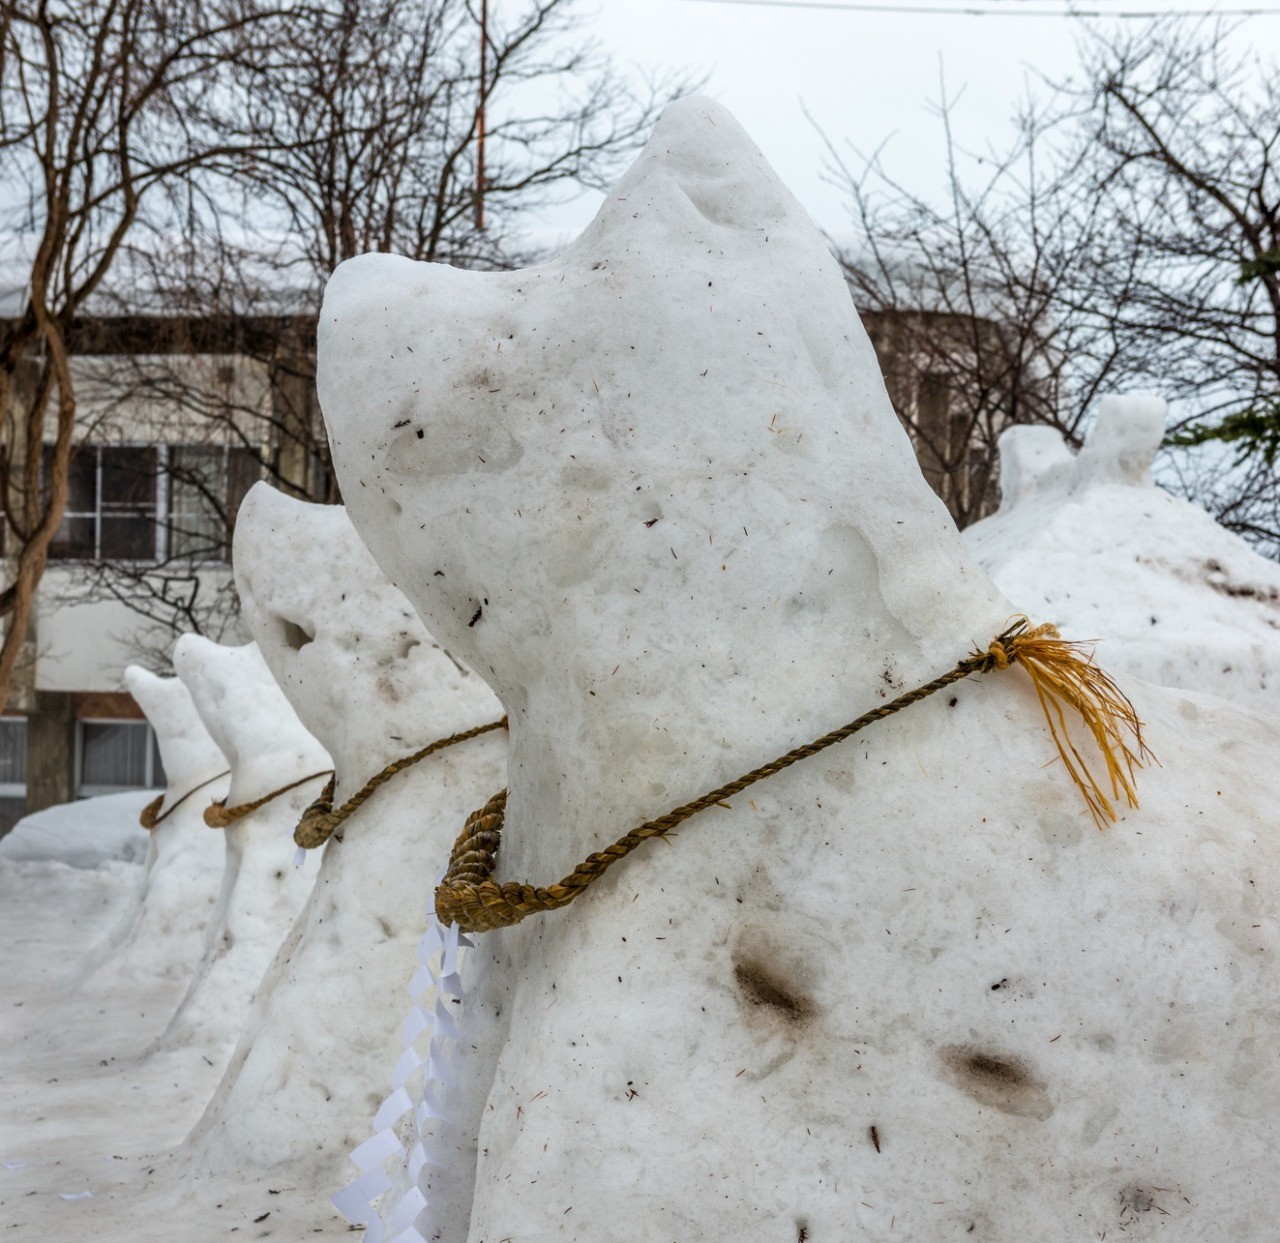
(394, 1220)
(75, 1195)
(392, 1109)
(445, 1024)
(417, 1161)
(355, 1202)
(376, 1150)
(417, 1021)
(409, 1061)
(405, 1213)
(422, 981)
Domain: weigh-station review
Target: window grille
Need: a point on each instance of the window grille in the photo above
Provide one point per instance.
(111, 504)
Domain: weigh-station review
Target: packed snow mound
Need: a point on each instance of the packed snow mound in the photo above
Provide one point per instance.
(1090, 543)
(373, 686)
(654, 492)
(342, 642)
(629, 436)
(83, 834)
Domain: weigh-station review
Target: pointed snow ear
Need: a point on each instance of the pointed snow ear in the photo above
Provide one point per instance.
(1030, 457)
(699, 156)
(144, 686)
(190, 652)
(699, 152)
(1124, 440)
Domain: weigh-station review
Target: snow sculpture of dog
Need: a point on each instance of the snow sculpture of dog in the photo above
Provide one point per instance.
(267, 749)
(366, 679)
(164, 935)
(1091, 543)
(654, 492)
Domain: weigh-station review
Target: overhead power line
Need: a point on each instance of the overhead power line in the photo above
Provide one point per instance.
(937, 10)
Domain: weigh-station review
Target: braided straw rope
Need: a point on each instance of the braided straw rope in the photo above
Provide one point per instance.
(219, 816)
(1061, 671)
(321, 819)
(150, 817)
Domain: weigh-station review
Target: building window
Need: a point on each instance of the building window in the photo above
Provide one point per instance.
(111, 505)
(151, 503)
(116, 755)
(206, 484)
(13, 771)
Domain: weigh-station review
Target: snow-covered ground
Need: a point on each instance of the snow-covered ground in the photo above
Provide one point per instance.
(82, 1111)
(92, 1111)
(82, 834)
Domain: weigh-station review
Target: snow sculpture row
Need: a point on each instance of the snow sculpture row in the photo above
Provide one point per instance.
(266, 963)
(905, 989)
(654, 493)
(366, 678)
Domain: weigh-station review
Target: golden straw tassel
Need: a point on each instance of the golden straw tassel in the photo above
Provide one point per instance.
(1063, 672)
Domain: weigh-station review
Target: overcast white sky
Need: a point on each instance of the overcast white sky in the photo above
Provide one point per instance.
(864, 77)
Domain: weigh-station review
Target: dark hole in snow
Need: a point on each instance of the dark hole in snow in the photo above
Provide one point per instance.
(296, 636)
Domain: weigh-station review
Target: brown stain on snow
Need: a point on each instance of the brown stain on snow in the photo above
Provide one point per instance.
(998, 1080)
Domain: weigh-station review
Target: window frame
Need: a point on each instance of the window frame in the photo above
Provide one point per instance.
(80, 790)
(17, 789)
(96, 558)
(161, 507)
(165, 517)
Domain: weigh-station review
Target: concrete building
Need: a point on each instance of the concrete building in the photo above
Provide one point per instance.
(178, 419)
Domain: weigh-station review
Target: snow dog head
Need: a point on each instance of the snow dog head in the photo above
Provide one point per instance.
(675, 428)
(347, 649)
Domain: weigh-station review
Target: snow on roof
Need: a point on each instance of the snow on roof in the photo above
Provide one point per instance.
(163, 275)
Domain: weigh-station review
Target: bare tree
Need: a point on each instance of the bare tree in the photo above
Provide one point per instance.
(1131, 239)
(1182, 133)
(100, 107)
(369, 138)
(412, 127)
(975, 305)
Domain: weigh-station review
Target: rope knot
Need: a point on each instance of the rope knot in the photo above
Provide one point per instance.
(318, 821)
(149, 816)
(218, 815)
(321, 820)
